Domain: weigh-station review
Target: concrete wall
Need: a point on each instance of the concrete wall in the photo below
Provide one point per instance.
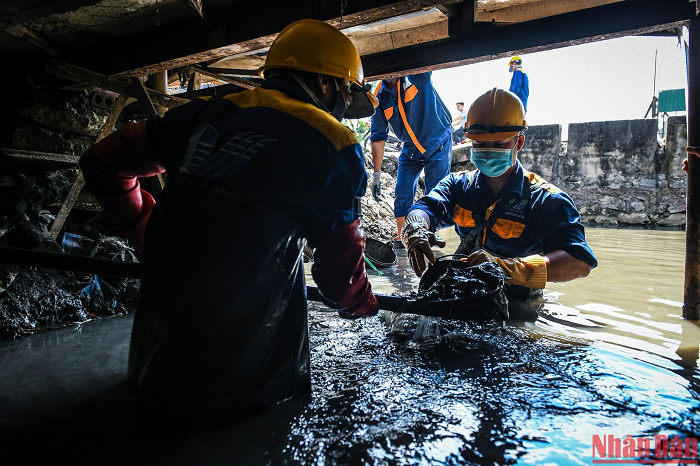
(618, 175)
(540, 154)
(614, 170)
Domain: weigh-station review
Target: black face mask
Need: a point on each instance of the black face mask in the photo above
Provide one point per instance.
(339, 109)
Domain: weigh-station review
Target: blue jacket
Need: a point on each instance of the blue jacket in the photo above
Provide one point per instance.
(417, 115)
(541, 219)
(520, 86)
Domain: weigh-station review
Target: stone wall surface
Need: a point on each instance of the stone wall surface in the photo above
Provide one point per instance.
(540, 153)
(615, 171)
(63, 122)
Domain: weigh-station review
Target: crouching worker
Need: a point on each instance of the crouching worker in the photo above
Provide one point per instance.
(502, 213)
(221, 325)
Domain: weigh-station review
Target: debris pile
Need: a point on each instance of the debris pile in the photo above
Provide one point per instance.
(378, 217)
(32, 299)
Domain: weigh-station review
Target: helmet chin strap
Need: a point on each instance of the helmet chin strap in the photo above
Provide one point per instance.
(303, 85)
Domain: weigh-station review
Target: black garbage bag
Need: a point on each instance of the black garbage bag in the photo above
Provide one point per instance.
(380, 254)
(452, 289)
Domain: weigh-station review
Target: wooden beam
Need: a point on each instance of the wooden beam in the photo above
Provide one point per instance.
(118, 85)
(367, 45)
(539, 9)
(224, 89)
(492, 41)
(195, 82)
(77, 187)
(67, 206)
(229, 30)
(113, 117)
(691, 294)
(233, 71)
(143, 95)
(244, 83)
(41, 156)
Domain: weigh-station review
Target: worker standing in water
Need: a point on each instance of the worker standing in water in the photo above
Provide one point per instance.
(423, 123)
(519, 82)
(221, 325)
(502, 213)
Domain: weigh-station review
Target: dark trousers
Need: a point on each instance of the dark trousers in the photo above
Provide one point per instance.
(458, 135)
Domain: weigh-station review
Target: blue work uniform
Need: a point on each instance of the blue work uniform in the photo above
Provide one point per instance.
(532, 216)
(423, 123)
(221, 325)
(520, 86)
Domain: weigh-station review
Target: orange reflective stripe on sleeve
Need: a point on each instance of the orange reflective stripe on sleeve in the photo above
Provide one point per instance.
(507, 229)
(409, 130)
(388, 112)
(463, 217)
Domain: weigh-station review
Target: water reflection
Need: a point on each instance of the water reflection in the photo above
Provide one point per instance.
(604, 355)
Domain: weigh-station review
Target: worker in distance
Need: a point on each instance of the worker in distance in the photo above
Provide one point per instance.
(502, 212)
(221, 325)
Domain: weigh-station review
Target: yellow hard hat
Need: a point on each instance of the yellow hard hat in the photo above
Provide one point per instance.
(495, 115)
(314, 46)
(515, 58)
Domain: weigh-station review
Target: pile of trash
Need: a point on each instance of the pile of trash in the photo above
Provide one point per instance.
(378, 218)
(32, 299)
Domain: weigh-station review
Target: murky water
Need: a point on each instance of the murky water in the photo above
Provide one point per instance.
(608, 354)
(605, 355)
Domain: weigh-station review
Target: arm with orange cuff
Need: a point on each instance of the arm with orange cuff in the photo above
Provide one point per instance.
(111, 168)
(530, 271)
(339, 272)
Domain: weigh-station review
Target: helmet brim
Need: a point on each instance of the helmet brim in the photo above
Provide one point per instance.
(492, 136)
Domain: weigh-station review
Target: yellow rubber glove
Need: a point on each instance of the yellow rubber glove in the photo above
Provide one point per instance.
(530, 271)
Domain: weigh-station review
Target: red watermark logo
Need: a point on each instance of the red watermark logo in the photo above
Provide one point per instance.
(660, 449)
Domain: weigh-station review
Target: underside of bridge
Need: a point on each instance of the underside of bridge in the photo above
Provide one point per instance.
(149, 50)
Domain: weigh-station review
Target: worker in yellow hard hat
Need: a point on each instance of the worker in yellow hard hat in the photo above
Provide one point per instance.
(253, 176)
(502, 212)
(519, 82)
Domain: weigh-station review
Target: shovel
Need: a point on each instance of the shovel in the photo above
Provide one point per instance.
(471, 310)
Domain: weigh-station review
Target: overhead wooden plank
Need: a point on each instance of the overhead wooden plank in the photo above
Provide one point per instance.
(539, 9)
(229, 30)
(120, 86)
(491, 41)
(245, 83)
(367, 45)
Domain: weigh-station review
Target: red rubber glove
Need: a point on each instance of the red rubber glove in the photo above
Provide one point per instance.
(110, 168)
(339, 272)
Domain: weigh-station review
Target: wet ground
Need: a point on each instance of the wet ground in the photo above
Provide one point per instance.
(608, 355)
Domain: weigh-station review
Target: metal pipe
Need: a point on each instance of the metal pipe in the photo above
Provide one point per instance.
(691, 292)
